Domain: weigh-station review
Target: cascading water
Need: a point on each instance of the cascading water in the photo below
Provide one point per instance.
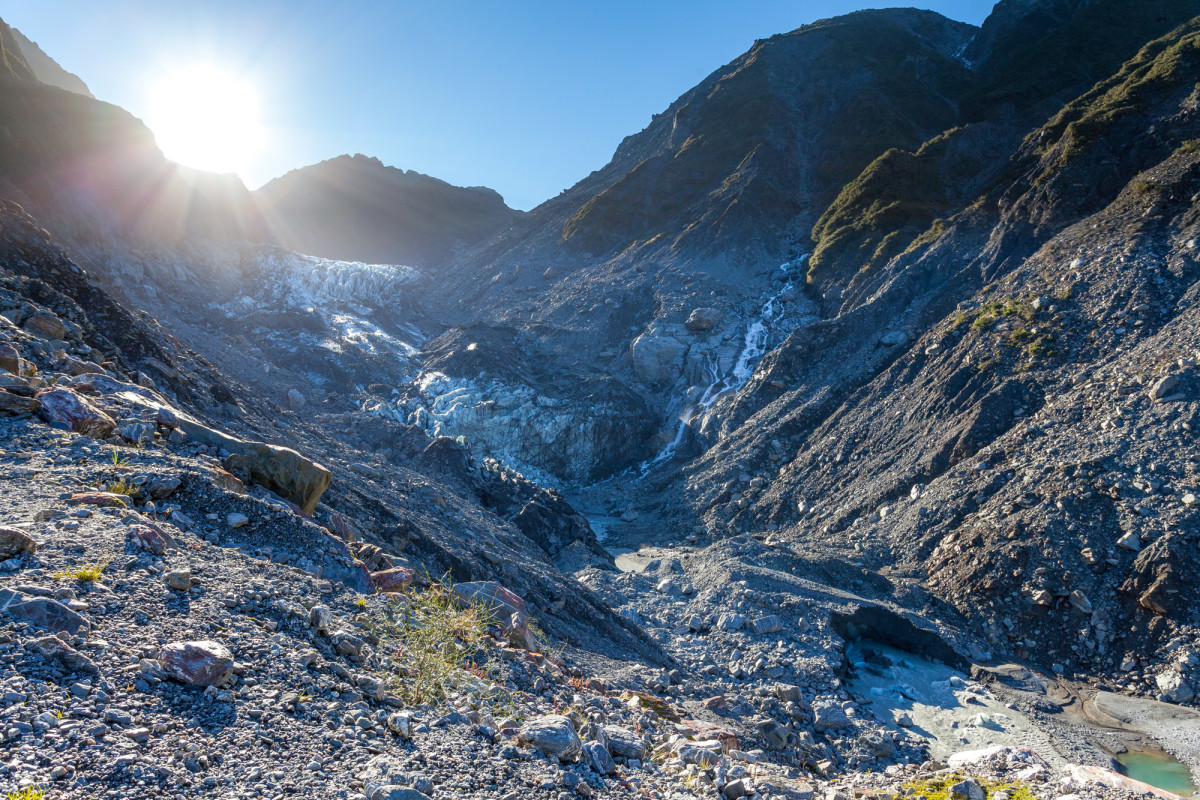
(757, 338)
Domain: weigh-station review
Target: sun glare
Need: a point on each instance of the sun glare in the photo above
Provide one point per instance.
(206, 118)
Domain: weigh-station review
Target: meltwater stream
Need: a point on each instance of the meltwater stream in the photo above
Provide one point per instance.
(753, 348)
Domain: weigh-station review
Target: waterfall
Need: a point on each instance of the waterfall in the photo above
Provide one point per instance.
(755, 343)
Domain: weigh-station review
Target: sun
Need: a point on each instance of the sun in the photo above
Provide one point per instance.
(207, 118)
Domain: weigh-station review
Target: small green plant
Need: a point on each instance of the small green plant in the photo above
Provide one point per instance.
(992, 313)
(27, 793)
(938, 787)
(84, 573)
(119, 461)
(1188, 147)
(59, 713)
(122, 486)
(361, 602)
(432, 638)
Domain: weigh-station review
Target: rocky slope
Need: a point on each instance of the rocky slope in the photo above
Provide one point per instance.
(353, 208)
(931, 488)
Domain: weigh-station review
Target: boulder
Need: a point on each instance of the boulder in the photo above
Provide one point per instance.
(42, 612)
(703, 319)
(280, 469)
(295, 400)
(14, 542)
(596, 756)
(151, 540)
(65, 407)
(13, 404)
(625, 743)
(968, 789)
(657, 357)
(392, 580)
(731, 622)
(894, 339)
(1164, 388)
(1173, 687)
(767, 624)
(59, 652)
(201, 663)
(829, 717)
(45, 325)
(554, 735)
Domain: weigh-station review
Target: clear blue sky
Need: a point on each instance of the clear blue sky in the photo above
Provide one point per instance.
(525, 97)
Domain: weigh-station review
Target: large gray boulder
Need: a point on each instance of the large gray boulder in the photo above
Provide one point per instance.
(657, 356)
(554, 735)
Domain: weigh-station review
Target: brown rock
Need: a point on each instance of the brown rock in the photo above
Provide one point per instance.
(45, 325)
(202, 663)
(14, 404)
(392, 580)
(66, 407)
(54, 649)
(11, 361)
(14, 542)
(102, 499)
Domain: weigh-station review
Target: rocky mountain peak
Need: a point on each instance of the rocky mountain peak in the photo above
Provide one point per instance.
(46, 69)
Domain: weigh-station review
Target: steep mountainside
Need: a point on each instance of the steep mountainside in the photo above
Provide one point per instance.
(356, 209)
(46, 69)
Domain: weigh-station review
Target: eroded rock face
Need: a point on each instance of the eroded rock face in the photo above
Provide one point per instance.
(64, 406)
(201, 663)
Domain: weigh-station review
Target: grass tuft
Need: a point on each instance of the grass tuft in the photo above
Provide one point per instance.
(28, 793)
(433, 639)
(83, 573)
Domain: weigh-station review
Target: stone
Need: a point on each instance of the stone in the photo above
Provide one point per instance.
(236, 520)
(657, 357)
(54, 649)
(147, 538)
(280, 469)
(734, 789)
(894, 339)
(1173, 687)
(180, 579)
(14, 404)
(829, 716)
(160, 488)
(199, 663)
(42, 612)
(1080, 601)
(968, 789)
(45, 325)
(767, 624)
(1164, 387)
(596, 756)
(511, 612)
(392, 580)
(703, 319)
(1189, 499)
(625, 743)
(394, 792)
(1130, 541)
(15, 542)
(554, 735)
(320, 618)
(295, 400)
(65, 407)
(731, 622)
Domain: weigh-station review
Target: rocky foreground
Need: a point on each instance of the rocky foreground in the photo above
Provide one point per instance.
(170, 629)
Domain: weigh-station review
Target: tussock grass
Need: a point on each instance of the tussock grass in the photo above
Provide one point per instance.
(28, 793)
(433, 639)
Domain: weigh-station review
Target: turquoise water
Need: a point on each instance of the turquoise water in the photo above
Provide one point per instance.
(1158, 769)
